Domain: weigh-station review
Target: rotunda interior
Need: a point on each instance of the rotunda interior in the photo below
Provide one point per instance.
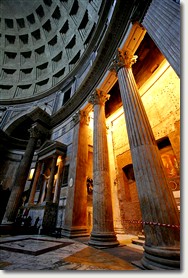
(90, 121)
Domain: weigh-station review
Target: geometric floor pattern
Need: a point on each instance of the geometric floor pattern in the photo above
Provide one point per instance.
(32, 246)
(44, 253)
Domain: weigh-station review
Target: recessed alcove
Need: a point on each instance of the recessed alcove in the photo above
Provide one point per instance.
(20, 22)
(9, 39)
(56, 14)
(47, 26)
(40, 11)
(31, 18)
(74, 8)
(36, 35)
(9, 23)
(47, 2)
(23, 39)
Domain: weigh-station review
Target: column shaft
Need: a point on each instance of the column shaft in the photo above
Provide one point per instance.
(76, 209)
(156, 199)
(103, 229)
(35, 182)
(58, 184)
(114, 183)
(51, 179)
(22, 174)
(162, 22)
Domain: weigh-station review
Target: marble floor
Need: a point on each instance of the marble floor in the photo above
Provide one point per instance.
(43, 253)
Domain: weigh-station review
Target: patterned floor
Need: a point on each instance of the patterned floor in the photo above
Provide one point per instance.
(36, 253)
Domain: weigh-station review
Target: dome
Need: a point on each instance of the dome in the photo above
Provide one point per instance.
(42, 42)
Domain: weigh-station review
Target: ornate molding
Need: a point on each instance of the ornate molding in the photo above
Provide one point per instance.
(98, 97)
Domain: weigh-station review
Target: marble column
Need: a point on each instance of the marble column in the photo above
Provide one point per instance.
(22, 175)
(162, 22)
(102, 234)
(35, 182)
(59, 180)
(118, 228)
(49, 197)
(75, 223)
(158, 207)
(42, 184)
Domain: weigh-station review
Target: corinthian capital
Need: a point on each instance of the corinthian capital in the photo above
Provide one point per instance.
(37, 130)
(99, 97)
(82, 117)
(123, 59)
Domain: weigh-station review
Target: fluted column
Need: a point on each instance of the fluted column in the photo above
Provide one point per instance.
(162, 22)
(42, 184)
(22, 174)
(118, 228)
(75, 223)
(102, 234)
(35, 182)
(59, 180)
(42, 191)
(51, 179)
(162, 248)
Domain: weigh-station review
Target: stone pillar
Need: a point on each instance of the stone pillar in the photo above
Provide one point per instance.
(22, 175)
(42, 184)
(35, 182)
(118, 228)
(158, 207)
(162, 22)
(75, 223)
(59, 180)
(102, 234)
(42, 192)
(51, 179)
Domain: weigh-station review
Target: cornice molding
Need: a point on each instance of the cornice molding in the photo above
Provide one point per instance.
(39, 114)
(49, 148)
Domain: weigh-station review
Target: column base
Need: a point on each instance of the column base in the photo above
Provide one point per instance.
(161, 258)
(75, 232)
(6, 228)
(119, 231)
(103, 240)
(5, 221)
